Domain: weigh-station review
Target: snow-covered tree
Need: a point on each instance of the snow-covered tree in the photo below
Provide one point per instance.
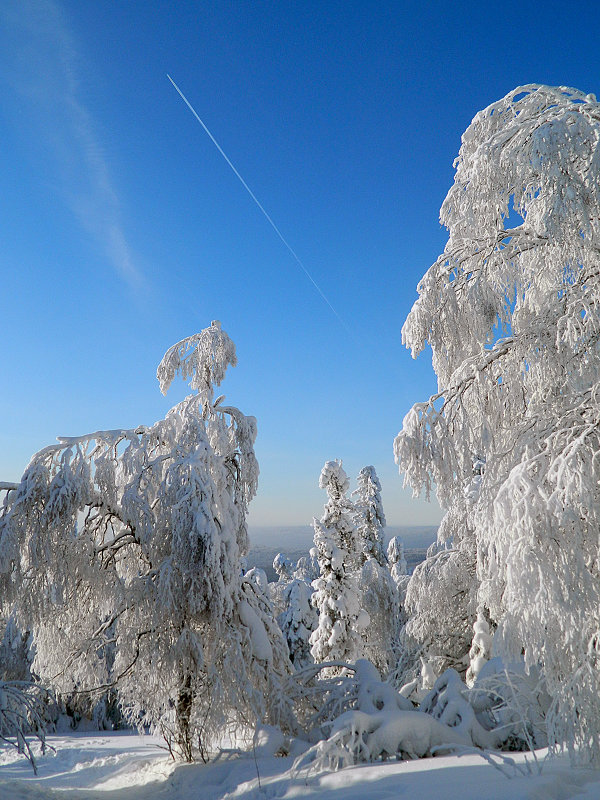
(336, 593)
(440, 598)
(307, 567)
(399, 572)
(258, 577)
(14, 653)
(511, 312)
(120, 551)
(396, 558)
(378, 597)
(298, 620)
(369, 515)
(283, 567)
(377, 592)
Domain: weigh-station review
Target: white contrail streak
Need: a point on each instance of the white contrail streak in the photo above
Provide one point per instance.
(253, 196)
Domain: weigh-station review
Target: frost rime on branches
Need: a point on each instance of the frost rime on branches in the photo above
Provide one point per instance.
(511, 312)
(121, 551)
(22, 716)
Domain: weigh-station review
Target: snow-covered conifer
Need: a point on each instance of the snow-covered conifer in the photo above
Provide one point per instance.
(378, 596)
(369, 515)
(396, 558)
(377, 593)
(307, 567)
(298, 621)
(259, 578)
(510, 310)
(399, 572)
(336, 594)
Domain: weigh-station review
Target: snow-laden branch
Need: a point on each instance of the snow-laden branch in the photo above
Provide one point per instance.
(22, 717)
(203, 357)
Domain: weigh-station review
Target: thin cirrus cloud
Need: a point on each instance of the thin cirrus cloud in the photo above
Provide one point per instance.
(43, 68)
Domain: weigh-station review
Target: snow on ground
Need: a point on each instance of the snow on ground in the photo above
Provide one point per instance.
(124, 766)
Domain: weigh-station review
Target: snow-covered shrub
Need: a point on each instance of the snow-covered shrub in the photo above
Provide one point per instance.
(121, 551)
(448, 702)
(514, 701)
(504, 709)
(405, 674)
(337, 636)
(364, 719)
(380, 724)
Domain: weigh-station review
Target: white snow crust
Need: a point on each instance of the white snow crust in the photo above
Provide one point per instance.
(125, 766)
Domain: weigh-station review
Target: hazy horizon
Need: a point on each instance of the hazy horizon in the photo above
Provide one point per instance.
(297, 537)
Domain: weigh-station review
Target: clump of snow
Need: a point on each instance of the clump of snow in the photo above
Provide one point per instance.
(268, 741)
(481, 647)
(261, 646)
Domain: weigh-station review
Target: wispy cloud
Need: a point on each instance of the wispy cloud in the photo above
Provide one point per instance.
(45, 68)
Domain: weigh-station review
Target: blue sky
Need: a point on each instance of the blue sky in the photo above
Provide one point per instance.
(123, 229)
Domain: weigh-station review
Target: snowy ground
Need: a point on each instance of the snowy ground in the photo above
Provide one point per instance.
(130, 767)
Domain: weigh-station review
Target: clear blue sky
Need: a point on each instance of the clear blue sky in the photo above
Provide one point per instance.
(123, 229)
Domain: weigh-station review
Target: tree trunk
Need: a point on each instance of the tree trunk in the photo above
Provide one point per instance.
(183, 713)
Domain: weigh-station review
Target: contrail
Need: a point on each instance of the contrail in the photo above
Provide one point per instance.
(254, 197)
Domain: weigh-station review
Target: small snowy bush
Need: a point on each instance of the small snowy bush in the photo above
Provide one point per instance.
(381, 724)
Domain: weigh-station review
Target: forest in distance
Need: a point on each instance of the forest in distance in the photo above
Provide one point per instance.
(294, 541)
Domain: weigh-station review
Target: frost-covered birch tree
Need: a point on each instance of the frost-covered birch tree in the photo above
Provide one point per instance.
(511, 312)
(120, 551)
